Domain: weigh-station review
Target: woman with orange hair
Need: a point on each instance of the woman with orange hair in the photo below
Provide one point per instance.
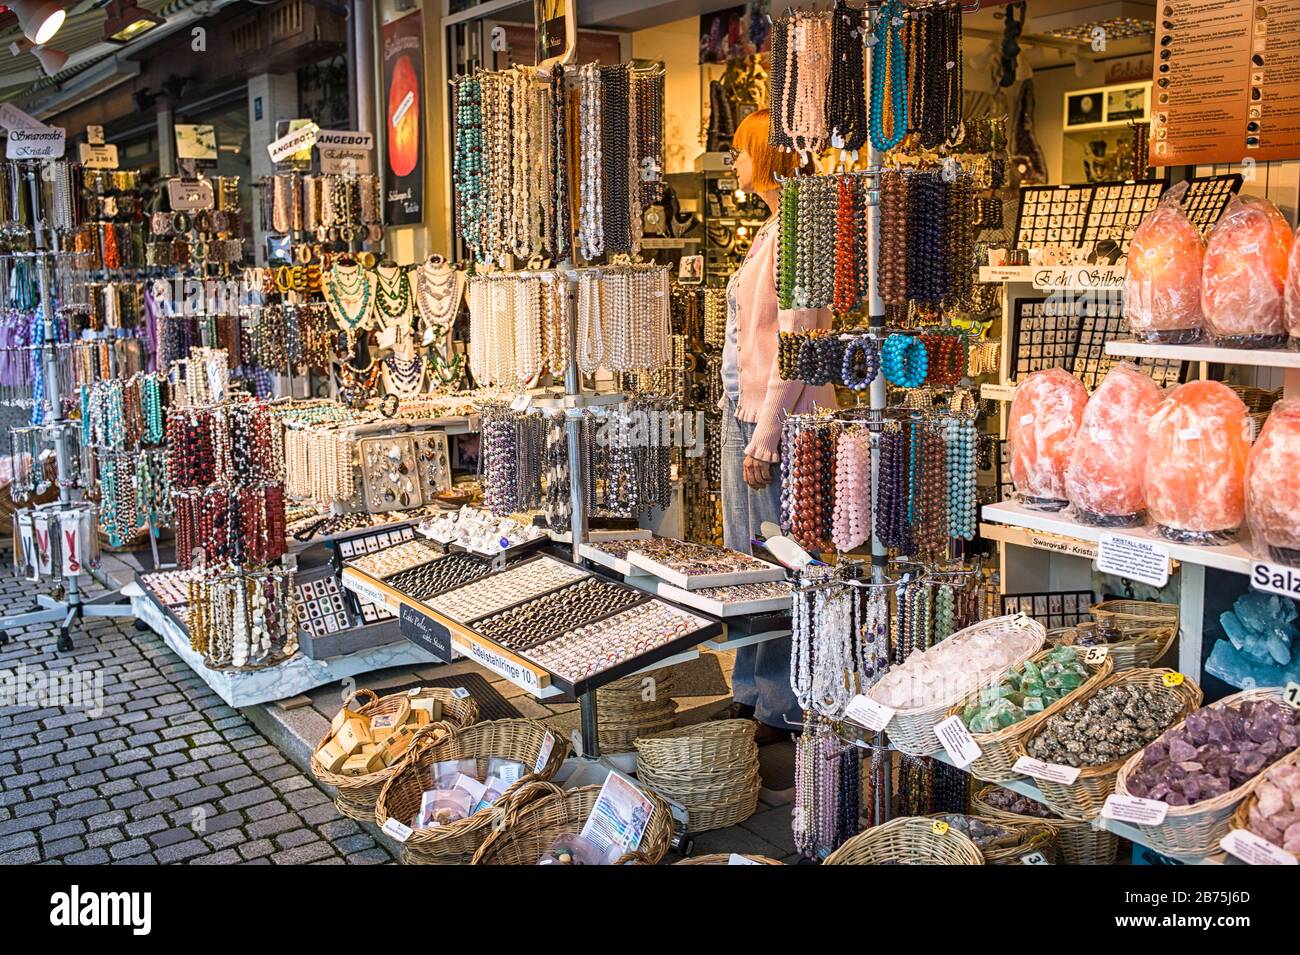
(754, 406)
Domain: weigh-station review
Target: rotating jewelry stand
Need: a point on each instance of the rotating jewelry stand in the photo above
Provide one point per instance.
(73, 605)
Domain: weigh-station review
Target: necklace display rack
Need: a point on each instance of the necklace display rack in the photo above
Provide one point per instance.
(72, 605)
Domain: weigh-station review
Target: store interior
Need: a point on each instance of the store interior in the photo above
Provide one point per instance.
(875, 420)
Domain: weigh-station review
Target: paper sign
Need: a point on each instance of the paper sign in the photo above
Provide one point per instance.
(1255, 850)
(196, 141)
(548, 744)
(95, 135)
(735, 859)
(1275, 579)
(867, 712)
(397, 830)
(11, 117)
(192, 195)
(425, 632)
(344, 139)
(1141, 560)
(1142, 812)
(98, 157)
(460, 693)
(521, 402)
(957, 742)
(1053, 772)
(44, 143)
(299, 139)
(1096, 656)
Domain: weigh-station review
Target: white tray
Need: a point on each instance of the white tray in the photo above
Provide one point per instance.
(762, 573)
(598, 556)
(718, 608)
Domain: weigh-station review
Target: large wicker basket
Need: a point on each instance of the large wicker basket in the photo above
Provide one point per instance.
(909, 840)
(1034, 837)
(1082, 800)
(623, 713)
(724, 858)
(456, 843)
(1241, 816)
(710, 769)
(1149, 630)
(912, 730)
(998, 750)
(355, 796)
(1194, 831)
(545, 811)
(1078, 842)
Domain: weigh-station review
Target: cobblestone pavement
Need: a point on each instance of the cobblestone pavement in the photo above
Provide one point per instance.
(166, 773)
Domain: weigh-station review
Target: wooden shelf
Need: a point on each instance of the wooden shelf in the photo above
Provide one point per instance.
(1255, 357)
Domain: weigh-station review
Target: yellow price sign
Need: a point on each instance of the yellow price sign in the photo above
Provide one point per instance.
(1172, 679)
(940, 827)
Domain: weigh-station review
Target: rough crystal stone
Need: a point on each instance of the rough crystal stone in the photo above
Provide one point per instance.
(1245, 270)
(1104, 476)
(1273, 478)
(1196, 459)
(1162, 284)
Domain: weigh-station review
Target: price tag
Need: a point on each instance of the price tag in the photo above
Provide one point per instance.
(737, 859)
(1034, 858)
(47, 142)
(98, 157)
(460, 693)
(1096, 656)
(940, 828)
(1172, 679)
(1134, 558)
(1026, 419)
(95, 135)
(1292, 694)
(867, 712)
(1189, 434)
(397, 830)
(957, 742)
(1053, 772)
(548, 744)
(299, 139)
(521, 403)
(1142, 812)
(425, 632)
(1255, 850)
(575, 740)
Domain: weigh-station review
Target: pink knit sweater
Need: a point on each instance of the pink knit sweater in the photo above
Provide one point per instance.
(764, 397)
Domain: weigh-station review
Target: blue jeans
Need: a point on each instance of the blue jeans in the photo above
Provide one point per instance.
(761, 678)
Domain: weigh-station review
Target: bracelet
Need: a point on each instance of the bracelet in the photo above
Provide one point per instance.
(904, 361)
(859, 366)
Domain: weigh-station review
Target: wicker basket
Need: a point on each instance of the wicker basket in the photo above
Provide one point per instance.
(355, 796)
(710, 769)
(724, 858)
(1034, 837)
(1082, 800)
(623, 715)
(1259, 401)
(1241, 816)
(1149, 630)
(909, 840)
(998, 751)
(457, 842)
(912, 730)
(1078, 843)
(545, 811)
(1194, 831)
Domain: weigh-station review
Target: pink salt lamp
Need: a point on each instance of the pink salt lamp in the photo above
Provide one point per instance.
(1291, 298)
(1045, 414)
(1104, 478)
(1162, 285)
(1273, 483)
(1244, 274)
(1195, 477)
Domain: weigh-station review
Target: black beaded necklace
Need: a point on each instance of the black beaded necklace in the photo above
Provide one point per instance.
(846, 105)
(614, 156)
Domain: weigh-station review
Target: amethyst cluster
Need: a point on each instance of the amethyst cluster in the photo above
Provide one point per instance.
(1216, 750)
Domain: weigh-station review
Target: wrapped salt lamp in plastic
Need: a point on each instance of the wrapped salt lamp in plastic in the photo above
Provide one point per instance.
(1162, 286)
(1198, 442)
(1273, 484)
(1104, 478)
(1045, 414)
(1291, 299)
(1244, 275)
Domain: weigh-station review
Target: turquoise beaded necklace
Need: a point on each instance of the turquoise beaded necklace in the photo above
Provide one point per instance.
(888, 64)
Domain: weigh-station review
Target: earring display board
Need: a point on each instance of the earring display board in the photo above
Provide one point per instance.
(1085, 216)
(1044, 334)
(1067, 608)
(1206, 197)
(331, 624)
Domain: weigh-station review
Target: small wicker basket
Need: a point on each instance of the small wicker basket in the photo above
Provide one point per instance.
(1034, 837)
(912, 730)
(1241, 816)
(1194, 831)
(710, 769)
(1149, 630)
(355, 796)
(1078, 842)
(909, 840)
(998, 750)
(544, 812)
(1082, 800)
(456, 843)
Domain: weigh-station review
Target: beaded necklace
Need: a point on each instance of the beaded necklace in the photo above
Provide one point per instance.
(888, 78)
(350, 295)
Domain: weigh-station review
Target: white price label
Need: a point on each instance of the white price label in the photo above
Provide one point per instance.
(1053, 772)
(1141, 812)
(548, 744)
(1275, 579)
(1189, 434)
(1255, 850)
(1291, 693)
(397, 830)
(867, 712)
(1026, 419)
(957, 742)
(98, 157)
(736, 859)
(521, 403)
(1134, 558)
(1096, 656)
(344, 139)
(1034, 858)
(460, 693)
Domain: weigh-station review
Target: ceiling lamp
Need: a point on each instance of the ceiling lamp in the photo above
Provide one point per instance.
(39, 19)
(126, 21)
